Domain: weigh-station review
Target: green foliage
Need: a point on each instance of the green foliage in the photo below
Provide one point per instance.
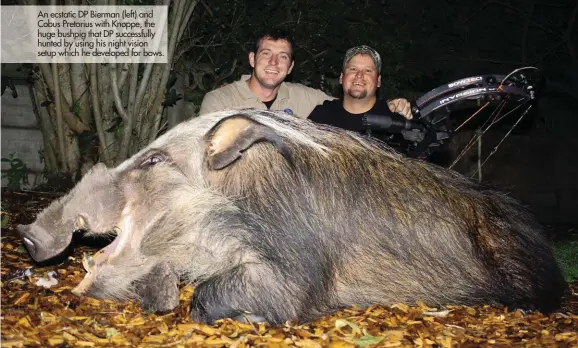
(5, 221)
(567, 256)
(76, 108)
(116, 126)
(365, 340)
(111, 332)
(17, 174)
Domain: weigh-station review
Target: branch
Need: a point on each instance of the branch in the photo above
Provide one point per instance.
(186, 18)
(116, 93)
(98, 115)
(157, 121)
(123, 74)
(177, 18)
(147, 91)
(79, 92)
(153, 113)
(129, 124)
(59, 121)
(142, 88)
(48, 134)
(207, 8)
(51, 81)
(47, 73)
(132, 88)
(226, 74)
(45, 68)
(183, 48)
(105, 100)
(313, 56)
(475, 12)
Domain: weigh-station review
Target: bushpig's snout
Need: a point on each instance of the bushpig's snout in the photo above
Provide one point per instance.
(29, 243)
(40, 244)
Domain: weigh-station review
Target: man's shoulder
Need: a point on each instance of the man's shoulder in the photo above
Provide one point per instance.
(331, 105)
(225, 89)
(225, 97)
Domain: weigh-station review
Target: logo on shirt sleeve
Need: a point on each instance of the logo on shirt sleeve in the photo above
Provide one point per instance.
(288, 111)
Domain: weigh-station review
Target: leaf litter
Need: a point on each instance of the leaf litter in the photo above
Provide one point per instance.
(37, 316)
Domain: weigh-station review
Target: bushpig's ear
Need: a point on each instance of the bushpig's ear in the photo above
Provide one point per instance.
(233, 135)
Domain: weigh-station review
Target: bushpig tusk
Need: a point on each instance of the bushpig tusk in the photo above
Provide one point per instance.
(87, 262)
(81, 222)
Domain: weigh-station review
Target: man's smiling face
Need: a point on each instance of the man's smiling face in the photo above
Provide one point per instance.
(360, 78)
(272, 62)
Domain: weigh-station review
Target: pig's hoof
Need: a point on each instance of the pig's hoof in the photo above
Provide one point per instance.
(200, 316)
(208, 314)
(201, 313)
(161, 305)
(250, 318)
(159, 290)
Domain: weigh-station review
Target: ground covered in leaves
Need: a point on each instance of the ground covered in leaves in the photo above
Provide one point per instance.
(38, 310)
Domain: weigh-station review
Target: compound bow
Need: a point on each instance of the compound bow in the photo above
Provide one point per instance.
(433, 124)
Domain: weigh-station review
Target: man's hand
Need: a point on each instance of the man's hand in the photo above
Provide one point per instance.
(401, 106)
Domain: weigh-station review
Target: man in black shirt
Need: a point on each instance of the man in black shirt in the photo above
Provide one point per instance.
(360, 79)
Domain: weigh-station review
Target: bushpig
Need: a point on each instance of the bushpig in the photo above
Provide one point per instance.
(284, 219)
(52, 232)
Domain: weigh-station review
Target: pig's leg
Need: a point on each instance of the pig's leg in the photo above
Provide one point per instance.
(246, 290)
(159, 290)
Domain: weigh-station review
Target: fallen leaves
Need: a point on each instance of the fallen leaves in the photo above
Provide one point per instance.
(34, 316)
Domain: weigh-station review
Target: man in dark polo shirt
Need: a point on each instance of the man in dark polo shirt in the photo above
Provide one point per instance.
(360, 79)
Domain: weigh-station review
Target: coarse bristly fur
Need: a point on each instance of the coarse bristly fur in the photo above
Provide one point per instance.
(293, 220)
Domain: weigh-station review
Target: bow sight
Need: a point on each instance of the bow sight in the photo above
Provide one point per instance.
(434, 123)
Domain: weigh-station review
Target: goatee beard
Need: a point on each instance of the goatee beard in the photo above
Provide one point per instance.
(357, 95)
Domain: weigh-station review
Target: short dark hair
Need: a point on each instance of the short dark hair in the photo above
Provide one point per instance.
(275, 35)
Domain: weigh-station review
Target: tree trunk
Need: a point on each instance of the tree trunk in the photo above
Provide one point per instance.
(103, 112)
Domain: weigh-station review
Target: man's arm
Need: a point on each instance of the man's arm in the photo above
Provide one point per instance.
(308, 99)
(320, 97)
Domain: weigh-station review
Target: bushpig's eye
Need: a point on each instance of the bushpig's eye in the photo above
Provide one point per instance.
(152, 160)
